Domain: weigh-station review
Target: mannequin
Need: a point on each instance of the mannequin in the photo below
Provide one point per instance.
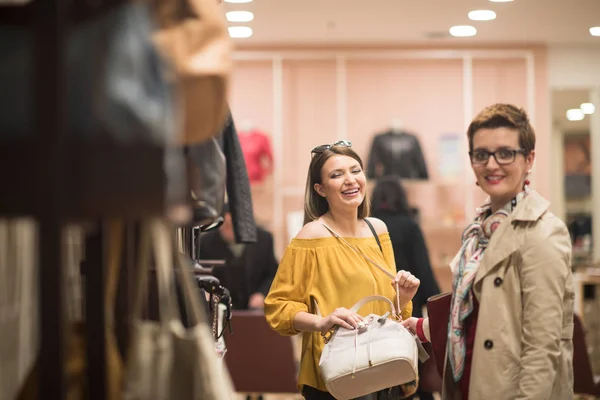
(396, 125)
(246, 126)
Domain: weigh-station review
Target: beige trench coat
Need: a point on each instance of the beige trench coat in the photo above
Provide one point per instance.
(523, 344)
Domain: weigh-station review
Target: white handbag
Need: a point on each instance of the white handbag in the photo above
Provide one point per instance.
(379, 354)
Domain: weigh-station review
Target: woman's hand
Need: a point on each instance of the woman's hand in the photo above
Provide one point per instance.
(342, 317)
(406, 284)
(411, 324)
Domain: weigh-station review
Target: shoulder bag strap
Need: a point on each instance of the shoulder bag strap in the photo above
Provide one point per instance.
(374, 234)
(375, 263)
(369, 259)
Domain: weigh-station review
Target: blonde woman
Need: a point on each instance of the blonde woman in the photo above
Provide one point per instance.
(319, 268)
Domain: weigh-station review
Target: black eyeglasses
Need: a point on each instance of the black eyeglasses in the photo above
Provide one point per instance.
(502, 156)
(320, 149)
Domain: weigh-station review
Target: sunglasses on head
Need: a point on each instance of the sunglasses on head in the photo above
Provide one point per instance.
(320, 149)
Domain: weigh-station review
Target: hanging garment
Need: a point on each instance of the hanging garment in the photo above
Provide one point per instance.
(115, 80)
(258, 155)
(206, 172)
(115, 91)
(396, 153)
(238, 186)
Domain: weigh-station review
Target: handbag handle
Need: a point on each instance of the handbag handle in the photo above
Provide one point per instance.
(142, 270)
(362, 302)
(369, 299)
(369, 259)
(156, 237)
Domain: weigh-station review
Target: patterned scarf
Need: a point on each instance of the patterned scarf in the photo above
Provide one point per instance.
(475, 239)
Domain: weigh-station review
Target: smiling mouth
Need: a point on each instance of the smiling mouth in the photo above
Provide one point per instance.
(350, 191)
(494, 179)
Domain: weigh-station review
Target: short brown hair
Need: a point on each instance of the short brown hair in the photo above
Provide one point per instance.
(504, 116)
(316, 205)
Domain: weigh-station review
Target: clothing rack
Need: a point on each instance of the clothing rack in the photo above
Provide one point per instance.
(58, 178)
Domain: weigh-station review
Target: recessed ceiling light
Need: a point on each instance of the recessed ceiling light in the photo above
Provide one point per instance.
(501, 1)
(575, 114)
(238, 1)
(239, 16)
(463, 31)
(482, 15)
(588, 108)
(240, 32)
(595, 31)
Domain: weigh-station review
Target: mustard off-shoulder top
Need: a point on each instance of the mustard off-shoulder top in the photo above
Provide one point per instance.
(328, 271)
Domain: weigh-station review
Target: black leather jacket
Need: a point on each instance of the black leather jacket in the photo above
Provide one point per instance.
(238, 185)
(396, 154)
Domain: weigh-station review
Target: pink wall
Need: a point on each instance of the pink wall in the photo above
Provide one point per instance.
(309, 114)
(426, 94)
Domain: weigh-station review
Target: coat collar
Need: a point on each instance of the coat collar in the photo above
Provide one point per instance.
(531, 208)
(505, 240)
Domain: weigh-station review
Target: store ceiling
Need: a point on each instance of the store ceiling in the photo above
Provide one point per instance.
(393, 22)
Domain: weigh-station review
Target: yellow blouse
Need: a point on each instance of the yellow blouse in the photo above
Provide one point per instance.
(329, 272)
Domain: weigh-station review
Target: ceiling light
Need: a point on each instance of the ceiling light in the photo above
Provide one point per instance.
(496, 1)
(595, 31)
(482, 15)
(238, 1)
(588, 108)
(239, 16)
(463, 31)
(575, 114)
(240, 32)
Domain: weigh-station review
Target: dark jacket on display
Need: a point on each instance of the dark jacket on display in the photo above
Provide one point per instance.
(396, 153)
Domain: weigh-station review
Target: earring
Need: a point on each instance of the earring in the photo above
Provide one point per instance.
(526, 182)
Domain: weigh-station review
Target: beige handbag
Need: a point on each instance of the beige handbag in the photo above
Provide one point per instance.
(193, 37)
(19, 327)
(166, 360)
(379, 354)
